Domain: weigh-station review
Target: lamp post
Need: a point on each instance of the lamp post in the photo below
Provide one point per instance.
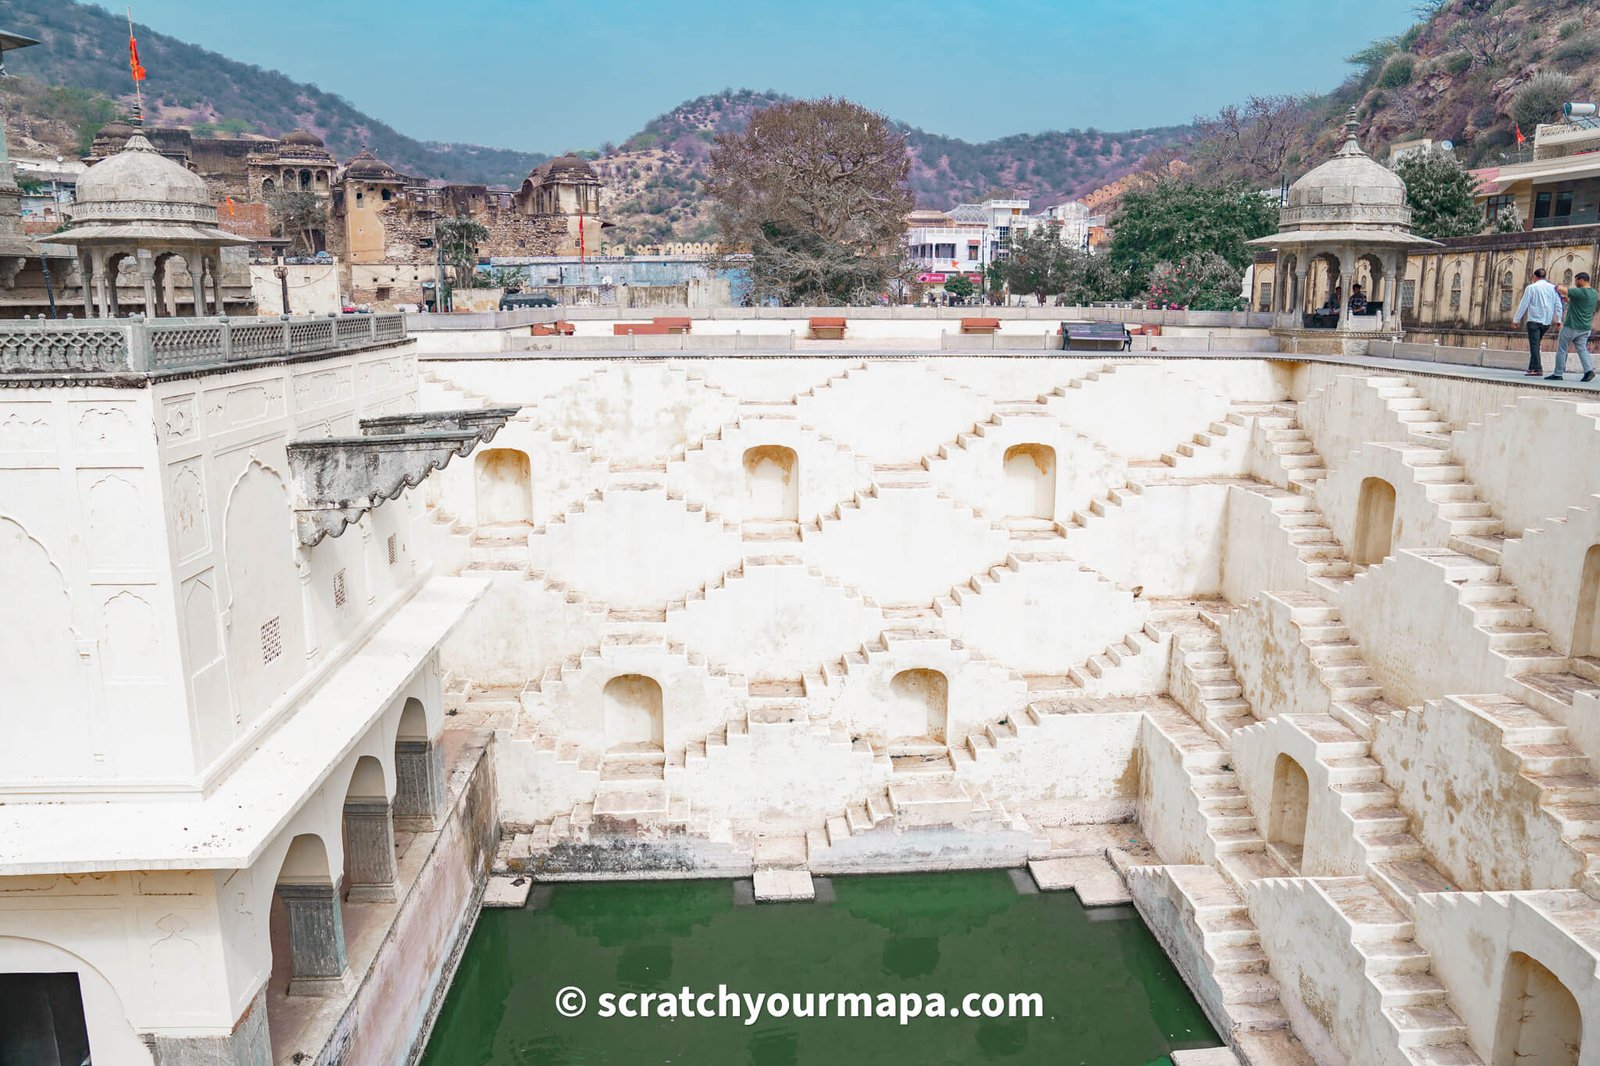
(281, 272)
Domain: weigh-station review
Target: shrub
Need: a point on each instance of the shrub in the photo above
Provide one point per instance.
(1540, 99)
(1397, 72)
(1569, 27)
(1578, 49)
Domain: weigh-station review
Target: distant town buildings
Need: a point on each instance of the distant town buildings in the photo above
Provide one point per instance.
(968, 237)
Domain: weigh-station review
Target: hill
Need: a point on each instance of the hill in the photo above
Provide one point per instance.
(83, 55)
(1471, 72)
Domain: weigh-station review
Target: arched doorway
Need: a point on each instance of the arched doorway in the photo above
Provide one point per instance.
(771, 484)
(1030, 478)
(418, 771)
(1374, 539)
(919, 707)
(368, 829)
(1286, 820)
(306, 925)
(632, 714)
(1586, 627)
(505, 487)
(1540, 1023)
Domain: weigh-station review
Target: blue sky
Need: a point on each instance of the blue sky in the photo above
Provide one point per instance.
(543, 76)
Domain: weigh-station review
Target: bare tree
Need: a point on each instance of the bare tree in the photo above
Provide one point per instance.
(816, 191)
(1252, 143)
(299, 214)
(1486, 38)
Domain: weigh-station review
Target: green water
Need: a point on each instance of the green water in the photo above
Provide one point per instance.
(1110, 996)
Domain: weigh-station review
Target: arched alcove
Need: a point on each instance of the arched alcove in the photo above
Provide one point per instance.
(771, 483)
(505, 487)
(632, 714)
(1286, 822)
(40, 663)
(413, 721)
(305, 927)
(1374, 539)
(368, 829)
(919, 706)
(1030, 478)
(1586, 627)
(1540, 1022)
(265, 637)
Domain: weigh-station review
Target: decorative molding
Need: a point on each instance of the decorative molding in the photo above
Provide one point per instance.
(339, 479)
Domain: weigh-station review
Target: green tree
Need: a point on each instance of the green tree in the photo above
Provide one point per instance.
(1039, 263)
(1203, 282)
(817, 191)
(959, 285)
(1172, 221)
(459, 239)
(1441, 194)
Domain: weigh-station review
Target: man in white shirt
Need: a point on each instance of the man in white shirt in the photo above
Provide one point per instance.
(1541, 306)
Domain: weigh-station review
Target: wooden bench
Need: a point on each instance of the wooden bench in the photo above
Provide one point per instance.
(551, 329)
(827, 329)
(639, 329)
(980, 325)
(1101, 334)
(674, 325)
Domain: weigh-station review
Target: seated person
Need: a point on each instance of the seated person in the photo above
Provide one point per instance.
(1358, 301)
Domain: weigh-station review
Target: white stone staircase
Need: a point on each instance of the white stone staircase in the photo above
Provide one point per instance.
(1355, 698)
(925, 820)
(1412, 1000)
(1309, 533)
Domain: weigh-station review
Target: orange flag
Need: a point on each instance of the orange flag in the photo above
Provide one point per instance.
(1520, 138)
(229, 201)
(133, 58)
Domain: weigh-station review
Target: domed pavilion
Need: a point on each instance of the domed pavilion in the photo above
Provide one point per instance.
(138, 205)
(1346, 223)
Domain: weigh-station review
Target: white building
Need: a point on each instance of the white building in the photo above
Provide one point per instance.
(968, 237)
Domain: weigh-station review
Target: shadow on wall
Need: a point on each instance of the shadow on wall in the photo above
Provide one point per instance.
(772, 489)
(1539, 1020)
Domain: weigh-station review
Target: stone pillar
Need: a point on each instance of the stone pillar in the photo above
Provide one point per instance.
(1347, 278)
(249, 1044)
(86, 275)
(147, 274)
(214, 268)
(113, 270)
(97, 260)
(419, 785)
(197, 278)
(316, 940)
(369, 850)
(1301, 277)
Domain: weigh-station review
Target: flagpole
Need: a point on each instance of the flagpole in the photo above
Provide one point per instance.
(138, 93)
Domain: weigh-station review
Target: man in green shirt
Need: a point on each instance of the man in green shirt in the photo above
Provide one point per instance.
(1581, 298)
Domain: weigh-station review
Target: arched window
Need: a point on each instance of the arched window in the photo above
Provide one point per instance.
(1566, 279)
(1507, 291)
(387, 195)
(268, 187)
(1374, 539)
(1455, 292)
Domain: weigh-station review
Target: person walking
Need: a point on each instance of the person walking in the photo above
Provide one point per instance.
(1581, 298)
(1541, 306)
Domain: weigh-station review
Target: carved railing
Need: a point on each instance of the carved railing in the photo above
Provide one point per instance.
(111, 346)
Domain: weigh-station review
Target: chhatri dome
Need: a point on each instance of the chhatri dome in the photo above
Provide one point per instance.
(1346, 222)
(140, 205)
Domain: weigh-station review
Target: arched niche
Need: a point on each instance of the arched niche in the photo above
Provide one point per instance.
(919, 707)
(1586, 626)
(265, 638)
(1540, 1022)
(1374, 539)
(771, 483)
(1030, 479)
(1286, 820)
(632, 714)
(505, 487)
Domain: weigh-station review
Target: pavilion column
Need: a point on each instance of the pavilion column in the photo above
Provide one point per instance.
(1302, 276)
(147, 275)
(113, 270)
(316, 940)
(197, 277)
(97, 259)
(1347, 277)
(369, 849)
(86, 276)
(214, 268)
(1391, 298)
(419, 784)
